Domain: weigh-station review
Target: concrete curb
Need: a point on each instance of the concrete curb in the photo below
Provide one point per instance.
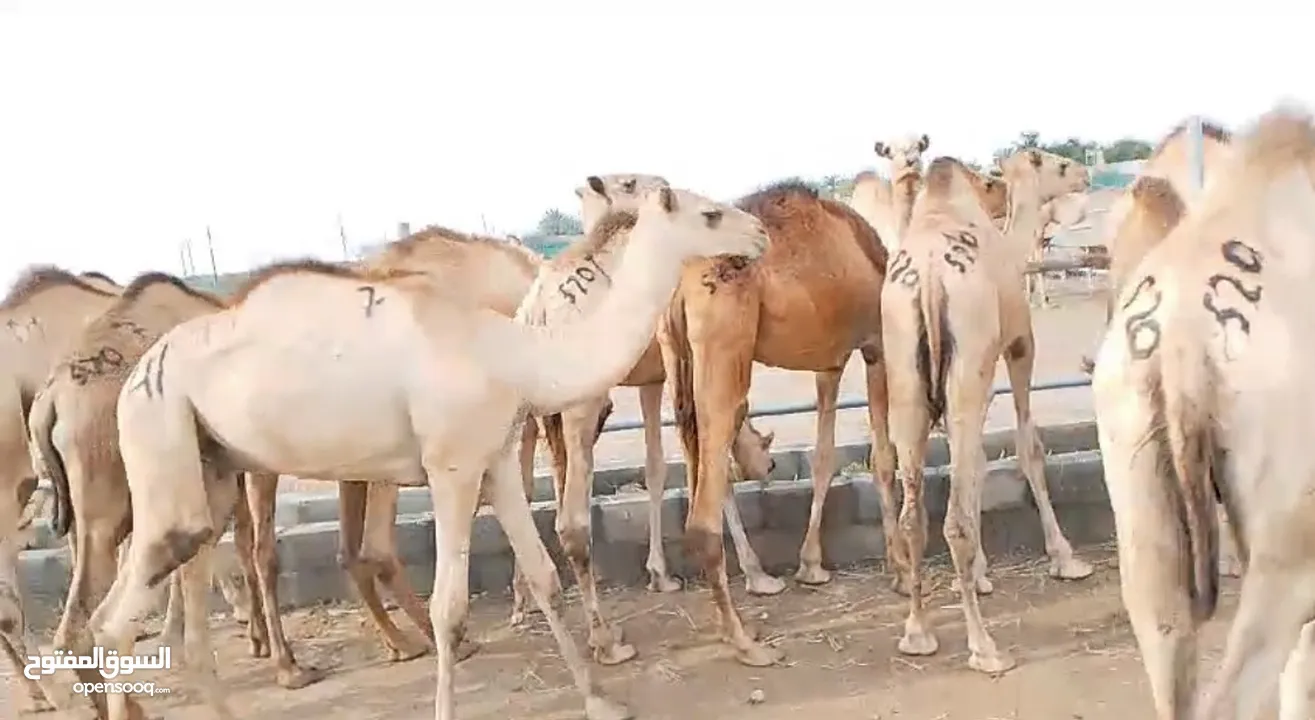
(775, 516)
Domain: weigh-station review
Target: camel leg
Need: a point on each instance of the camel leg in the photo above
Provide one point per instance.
(521, 607)
(756, 580)
(655, 479)
(1278, 597)
(100, 526)
(573, 527)
(1230, 562)
(968, 396)
(261, 566)
(1019, 357)
(42, 694)
(883, 462)
(199, 654)
(379, 549)
(352, 499)
(1297, 683)
(910, 425)
(244, 548)
(810, 570)
(721, 374)
(513, 513)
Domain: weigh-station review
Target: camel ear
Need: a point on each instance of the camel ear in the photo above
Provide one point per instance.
(1034, 157)
(667, 199)
(996, 171)
(768, 438)
(882, 150)
(990, 184)
(924, 143)
(579, 192)
(595, 183)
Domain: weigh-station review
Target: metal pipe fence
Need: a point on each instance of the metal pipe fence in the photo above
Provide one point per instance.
(849, 404)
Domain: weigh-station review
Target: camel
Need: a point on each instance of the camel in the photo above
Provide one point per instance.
(75, 443)
(1201, 394)
(351, 374)
(807, 305)
(43, 311)
(1062, 212)
(566, 289)
(952, 304)
(1143, 216)
(886, 204)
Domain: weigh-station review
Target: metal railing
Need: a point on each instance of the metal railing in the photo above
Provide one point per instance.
(849, 404)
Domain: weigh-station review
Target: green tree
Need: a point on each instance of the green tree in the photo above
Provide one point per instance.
(1127, 149)
(556, 222)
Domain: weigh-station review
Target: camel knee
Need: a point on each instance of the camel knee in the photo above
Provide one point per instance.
(704, 546)
(172, 551)
(574, 538)
(11, 611)
(958, 530)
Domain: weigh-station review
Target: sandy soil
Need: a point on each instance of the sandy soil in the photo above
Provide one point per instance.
(1077, 659)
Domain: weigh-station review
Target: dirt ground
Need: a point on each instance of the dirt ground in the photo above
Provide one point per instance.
(1064, 333)
(1076, 659)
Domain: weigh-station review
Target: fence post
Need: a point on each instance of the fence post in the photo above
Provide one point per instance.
(1196, 151)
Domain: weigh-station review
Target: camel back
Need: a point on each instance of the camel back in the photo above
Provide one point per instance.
(786, 203)
(43, 277)
(310, 266)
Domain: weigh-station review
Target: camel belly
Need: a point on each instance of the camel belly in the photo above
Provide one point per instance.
(817, 328)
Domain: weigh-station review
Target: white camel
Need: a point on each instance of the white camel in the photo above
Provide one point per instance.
(344, 374)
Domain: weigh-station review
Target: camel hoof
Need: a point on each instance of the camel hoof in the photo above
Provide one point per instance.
(759, 655)
(918, 643)
(1071, 569)
(984, 585)
(38, 705)
(142, 634)
(297, 677)
(259, 647)
(614, 654)
(407, 650)
(597, 707)
(761, 583)
(1088, 366)
(900, 586)
(994, 664)
(813, 574)
(662, 583)
(465, 649)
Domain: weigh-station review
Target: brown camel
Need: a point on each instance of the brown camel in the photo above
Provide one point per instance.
(466, 377)
(567, 288)
(806, 305)
(952, 304)
(1202, 394)
(74, 440)
(43, 311)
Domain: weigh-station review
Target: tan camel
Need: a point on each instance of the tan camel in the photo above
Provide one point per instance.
(806, 306)
(1202, 393)
(43, 311)
(1143, 216)
(1058, 214)
(952, 304)
(886, 204)
(350, 375)
(566, 289)
(74, 441)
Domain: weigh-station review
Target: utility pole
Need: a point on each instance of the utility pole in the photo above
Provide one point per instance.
(342, 236)
(214, 271)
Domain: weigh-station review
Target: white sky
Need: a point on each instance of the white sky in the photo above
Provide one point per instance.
(121, 135)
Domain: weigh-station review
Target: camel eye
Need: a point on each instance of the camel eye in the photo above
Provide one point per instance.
(713, 217)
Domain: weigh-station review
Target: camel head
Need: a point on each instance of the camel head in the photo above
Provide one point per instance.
(752, 452)
(1055, 175)
(602, 194)
(992, 192)
(904, 154)
(694, 226)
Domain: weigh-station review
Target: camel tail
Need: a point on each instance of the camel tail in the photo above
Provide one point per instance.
(682, 387)
(1191, 466)
(41, 425)
(935, 345)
